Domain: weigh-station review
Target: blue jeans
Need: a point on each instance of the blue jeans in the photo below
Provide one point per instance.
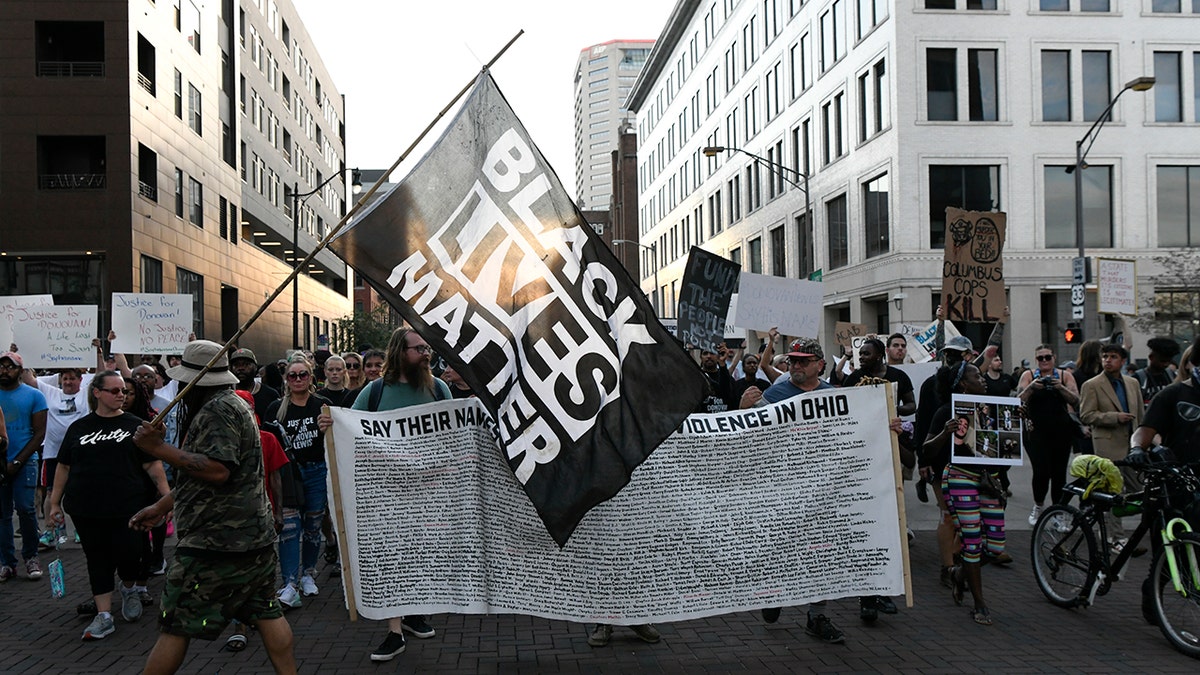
(18, 495)
(289, 547)
(313, 513)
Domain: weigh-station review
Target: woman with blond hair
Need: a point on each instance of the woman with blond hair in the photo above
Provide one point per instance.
(296, 414)
(355, 378)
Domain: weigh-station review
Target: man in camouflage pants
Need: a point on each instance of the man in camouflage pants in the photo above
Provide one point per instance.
(225, 561)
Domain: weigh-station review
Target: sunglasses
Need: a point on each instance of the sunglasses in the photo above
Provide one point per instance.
(298, 376)
(1045, 357)
(352, 366)
(115, 391)
(144, 376)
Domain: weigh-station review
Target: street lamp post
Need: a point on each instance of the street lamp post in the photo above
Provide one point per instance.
(356, 180)
(653, 248)
(1136, 84)
(714, 150)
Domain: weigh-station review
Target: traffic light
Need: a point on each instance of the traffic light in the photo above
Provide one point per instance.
(1073, 333)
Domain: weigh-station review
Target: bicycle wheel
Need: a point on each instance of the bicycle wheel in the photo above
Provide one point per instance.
(1178, 612)
(1063, 549)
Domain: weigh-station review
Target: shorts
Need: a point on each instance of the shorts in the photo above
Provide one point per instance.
(205, 592)
(46, 475)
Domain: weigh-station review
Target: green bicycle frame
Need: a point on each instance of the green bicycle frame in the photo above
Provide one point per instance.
(1168, 536)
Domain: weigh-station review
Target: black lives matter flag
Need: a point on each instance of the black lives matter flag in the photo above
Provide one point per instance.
(485, 254)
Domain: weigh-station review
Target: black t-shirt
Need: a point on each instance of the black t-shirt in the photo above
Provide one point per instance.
(339, 398)
(106, 478)
(720, 392)
(999, 386)
(1168, 415)
(300, 425)
(903, 382)
(1152, 383)
(740, 386)
(936, 425)
(455, 392)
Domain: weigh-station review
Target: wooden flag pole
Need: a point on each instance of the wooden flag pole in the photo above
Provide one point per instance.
(339, 521)
(900, 510)
(329, 236)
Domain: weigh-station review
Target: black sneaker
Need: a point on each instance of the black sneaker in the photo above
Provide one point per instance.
(391, 647)
(820, 627)
(86, 608)
(331, 554)
(417, 626)
(885, 605)
(867, 610)
(923, 490)
(771, 614)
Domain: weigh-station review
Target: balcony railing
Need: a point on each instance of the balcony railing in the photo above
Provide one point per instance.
(71, 181)
(148, 191)
(70, 69)
(146, 82)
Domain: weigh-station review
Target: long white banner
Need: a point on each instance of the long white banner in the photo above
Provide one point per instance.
(773, 506)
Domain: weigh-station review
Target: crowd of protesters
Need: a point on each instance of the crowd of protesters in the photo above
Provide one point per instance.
(82, 461)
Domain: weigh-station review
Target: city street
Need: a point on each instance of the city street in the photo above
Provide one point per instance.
(41, 635)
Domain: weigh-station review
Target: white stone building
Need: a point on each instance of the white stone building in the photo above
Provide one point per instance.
(896, 110)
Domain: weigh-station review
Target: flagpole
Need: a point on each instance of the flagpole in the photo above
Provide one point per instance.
(332, 233)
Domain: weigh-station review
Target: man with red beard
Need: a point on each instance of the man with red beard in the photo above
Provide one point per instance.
(406, 381)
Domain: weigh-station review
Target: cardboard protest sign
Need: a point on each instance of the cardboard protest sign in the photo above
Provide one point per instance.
(1116, 283)
(9, 303)
(56, 336)
(972, 269)
(708, 285)
(151, 323)
(844, 332)
(794, 306)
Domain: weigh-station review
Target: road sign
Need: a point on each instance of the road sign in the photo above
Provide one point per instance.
(1079, 270)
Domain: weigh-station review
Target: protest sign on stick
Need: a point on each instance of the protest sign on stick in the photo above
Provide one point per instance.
(151, 323)
(8, 304)
(794, 306)
(972, 268)
(56, 336)
(923, 347)
(708, 285)
(1116, 286)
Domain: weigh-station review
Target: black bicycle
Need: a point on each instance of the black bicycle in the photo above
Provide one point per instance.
(1073, 563)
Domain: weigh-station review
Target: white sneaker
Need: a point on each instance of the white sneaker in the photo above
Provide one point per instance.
(1033, 515)
(289, 597)
(308, 586)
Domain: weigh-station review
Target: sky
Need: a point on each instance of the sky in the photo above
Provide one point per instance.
(399, 62)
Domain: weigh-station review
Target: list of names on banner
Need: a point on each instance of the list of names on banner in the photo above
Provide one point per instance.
(772, 506)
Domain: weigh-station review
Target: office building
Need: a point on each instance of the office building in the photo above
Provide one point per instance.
(888, 113)
(151, 147)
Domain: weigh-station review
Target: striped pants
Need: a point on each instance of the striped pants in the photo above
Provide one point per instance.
(980, 519)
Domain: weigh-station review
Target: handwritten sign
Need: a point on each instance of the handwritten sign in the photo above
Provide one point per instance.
(9, 303)
(844, 332)
(791, 305)
(972, 269)
(151, 323)
(1117, 286)
(708, 283)
(922, 345)
(56, 336)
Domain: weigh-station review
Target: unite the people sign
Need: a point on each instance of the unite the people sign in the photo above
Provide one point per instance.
(708, 284)
(973, 269)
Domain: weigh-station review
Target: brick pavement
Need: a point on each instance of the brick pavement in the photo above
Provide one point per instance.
(41, 635)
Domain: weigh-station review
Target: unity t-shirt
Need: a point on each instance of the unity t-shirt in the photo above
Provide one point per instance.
(107, 478)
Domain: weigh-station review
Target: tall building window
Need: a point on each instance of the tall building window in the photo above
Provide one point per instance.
(1097, 84)
(1168, 87)
(152, 275)
(178, 192)
(833, 40)
(178, 94)
(804, 237)
(778, 252)
(753, 187)
(875, 216)
(755, 261)
(838, 235)
(194, 115)
(833, 128)
(196, 213)
(1060, 207)
(941, 84)
(190, 283)
(715, 215)
(871, 13)
(1054, 5)
(1178, 206)
(873, 105)
(1056, 85)
(735, 199)
(970, 187)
